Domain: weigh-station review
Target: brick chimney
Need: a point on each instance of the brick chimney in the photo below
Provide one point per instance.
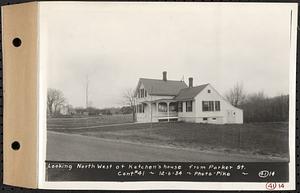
(165, 75)
(190, 82)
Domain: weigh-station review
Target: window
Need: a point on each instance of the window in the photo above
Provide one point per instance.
(208, 91)
(179, 106)
(189, 106)
(140, 108)
(162, 107)
(204, 118)
(207, 105)
(217, 106)
(138, 93)
(142, 93)
(211, 106)
(214, 118)
(173, 107)
(146, 93)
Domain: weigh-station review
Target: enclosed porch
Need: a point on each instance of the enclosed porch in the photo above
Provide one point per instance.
(157, 111)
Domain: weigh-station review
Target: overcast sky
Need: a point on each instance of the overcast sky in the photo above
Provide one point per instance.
(116, 44)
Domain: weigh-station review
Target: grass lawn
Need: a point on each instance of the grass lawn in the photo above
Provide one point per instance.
(270, 139)
(54, 123)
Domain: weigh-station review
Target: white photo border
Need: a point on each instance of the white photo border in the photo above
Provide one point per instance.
(160, 185)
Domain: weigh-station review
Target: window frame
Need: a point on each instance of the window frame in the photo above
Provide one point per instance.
(205, 106)
(191, 106)
(208, 106)
(217, 107)
(211, 106)
(140, 108)
(180, 106)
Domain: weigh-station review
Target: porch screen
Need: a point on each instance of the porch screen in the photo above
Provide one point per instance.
(162, 107)
(173, 107)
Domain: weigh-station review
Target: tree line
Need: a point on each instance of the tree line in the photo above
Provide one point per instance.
(57, 105)
(258, 107)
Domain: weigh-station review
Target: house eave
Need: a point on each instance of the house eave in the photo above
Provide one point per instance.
(186, 99)
(155, 94)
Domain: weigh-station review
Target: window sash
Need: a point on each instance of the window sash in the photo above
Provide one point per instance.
(180, 105)
(217, 106)
(211, 106)
(140, 108)
(205, 106)
(189, 106)
(208, 106)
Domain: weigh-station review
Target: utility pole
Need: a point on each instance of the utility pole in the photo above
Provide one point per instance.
(151, 107)
(87, 92)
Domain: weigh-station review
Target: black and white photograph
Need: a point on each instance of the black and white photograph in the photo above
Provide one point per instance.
(198, 92)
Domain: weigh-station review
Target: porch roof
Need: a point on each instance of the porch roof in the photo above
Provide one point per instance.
(160, 100)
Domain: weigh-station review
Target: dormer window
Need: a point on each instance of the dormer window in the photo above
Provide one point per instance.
(142, 93)
(208, 91)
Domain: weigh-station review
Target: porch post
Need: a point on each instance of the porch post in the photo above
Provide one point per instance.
(151, 112)
(156, 110)
(168, 110)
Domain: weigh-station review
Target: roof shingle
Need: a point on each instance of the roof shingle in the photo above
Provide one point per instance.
(189, 93)
(161, 87)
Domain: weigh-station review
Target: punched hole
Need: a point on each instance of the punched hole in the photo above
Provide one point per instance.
(17, 42)
(15, 145)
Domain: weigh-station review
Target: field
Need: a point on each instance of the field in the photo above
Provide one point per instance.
(265, 139)
(84, 121)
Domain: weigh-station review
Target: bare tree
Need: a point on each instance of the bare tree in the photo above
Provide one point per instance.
(55, 99)
(128, 95)
(236, 96)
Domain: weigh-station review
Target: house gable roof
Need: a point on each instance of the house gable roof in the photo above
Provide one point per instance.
(190, 92)
(161, 87)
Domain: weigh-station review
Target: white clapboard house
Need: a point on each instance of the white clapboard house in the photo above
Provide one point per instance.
(170, 100)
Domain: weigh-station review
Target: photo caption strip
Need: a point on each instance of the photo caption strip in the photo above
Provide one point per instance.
(168, 171)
